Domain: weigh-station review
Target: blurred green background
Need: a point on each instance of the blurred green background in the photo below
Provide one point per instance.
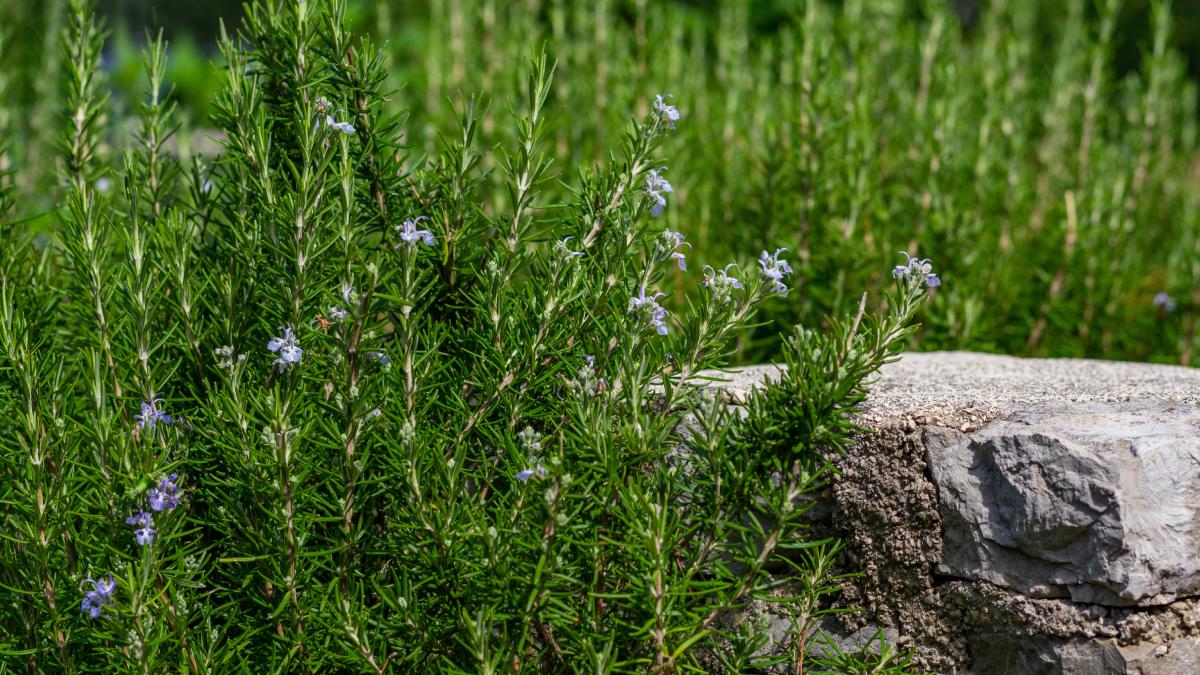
(193, 26)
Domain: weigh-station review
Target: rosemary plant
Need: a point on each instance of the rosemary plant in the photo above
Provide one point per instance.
(323, 404)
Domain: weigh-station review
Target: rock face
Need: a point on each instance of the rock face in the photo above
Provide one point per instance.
(1025, 515)
(1099, 503)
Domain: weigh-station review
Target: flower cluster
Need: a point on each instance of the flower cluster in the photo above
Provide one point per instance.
(666, 113)
(720, 283)
(151, 415)
(162, 497)
(649, 308)
(410, 235)
(225, 357)
(531, 442)
(165, 495)
(775, 269)
(587, 381)
(95, 599)
(143, 527)
(289, 353)
(914, 270)
(657, 188)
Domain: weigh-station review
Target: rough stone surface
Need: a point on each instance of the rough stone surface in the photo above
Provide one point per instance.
(1099, 502)
(1023, 515)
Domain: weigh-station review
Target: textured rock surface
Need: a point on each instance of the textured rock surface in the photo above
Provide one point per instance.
(1098, 502)
(1024, 515)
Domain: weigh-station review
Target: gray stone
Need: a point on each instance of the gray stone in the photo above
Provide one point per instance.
(1023, 515)
(993, 654)
(1096, 502)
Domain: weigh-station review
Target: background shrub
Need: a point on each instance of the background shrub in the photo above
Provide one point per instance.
(1042, 151)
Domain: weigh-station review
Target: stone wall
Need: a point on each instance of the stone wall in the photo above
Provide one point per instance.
(1024, 515)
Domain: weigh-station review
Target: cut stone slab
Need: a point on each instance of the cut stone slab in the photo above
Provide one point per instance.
(969, 379)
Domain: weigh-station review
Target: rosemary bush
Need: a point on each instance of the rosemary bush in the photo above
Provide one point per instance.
(321, 404)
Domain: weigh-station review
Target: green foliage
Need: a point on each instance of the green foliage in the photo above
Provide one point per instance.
(1056, 190)
(322, 404)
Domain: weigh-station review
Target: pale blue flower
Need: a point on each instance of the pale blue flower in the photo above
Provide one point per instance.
(561, 249)
(775, 269)
(337, 313)
(95, 599)
(380, 357)
(289, 353)
(914, 268)
(672, 241)
(538, 470)
(666, 112)
(1164, 302)
(344, 127)
(720, 283)
(657, 188)
(410, 235)
(648, 305)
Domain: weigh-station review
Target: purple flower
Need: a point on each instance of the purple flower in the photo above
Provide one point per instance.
(289, 353)
(649, 307)
(914, 268)
(143, 527)
(95, 599)
(410, 235)
(165, 495)
(775, 269)
(666, 112)
(337, 313)
(1164, 302)
(525, 475)
(657, 188)
(151, 415)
